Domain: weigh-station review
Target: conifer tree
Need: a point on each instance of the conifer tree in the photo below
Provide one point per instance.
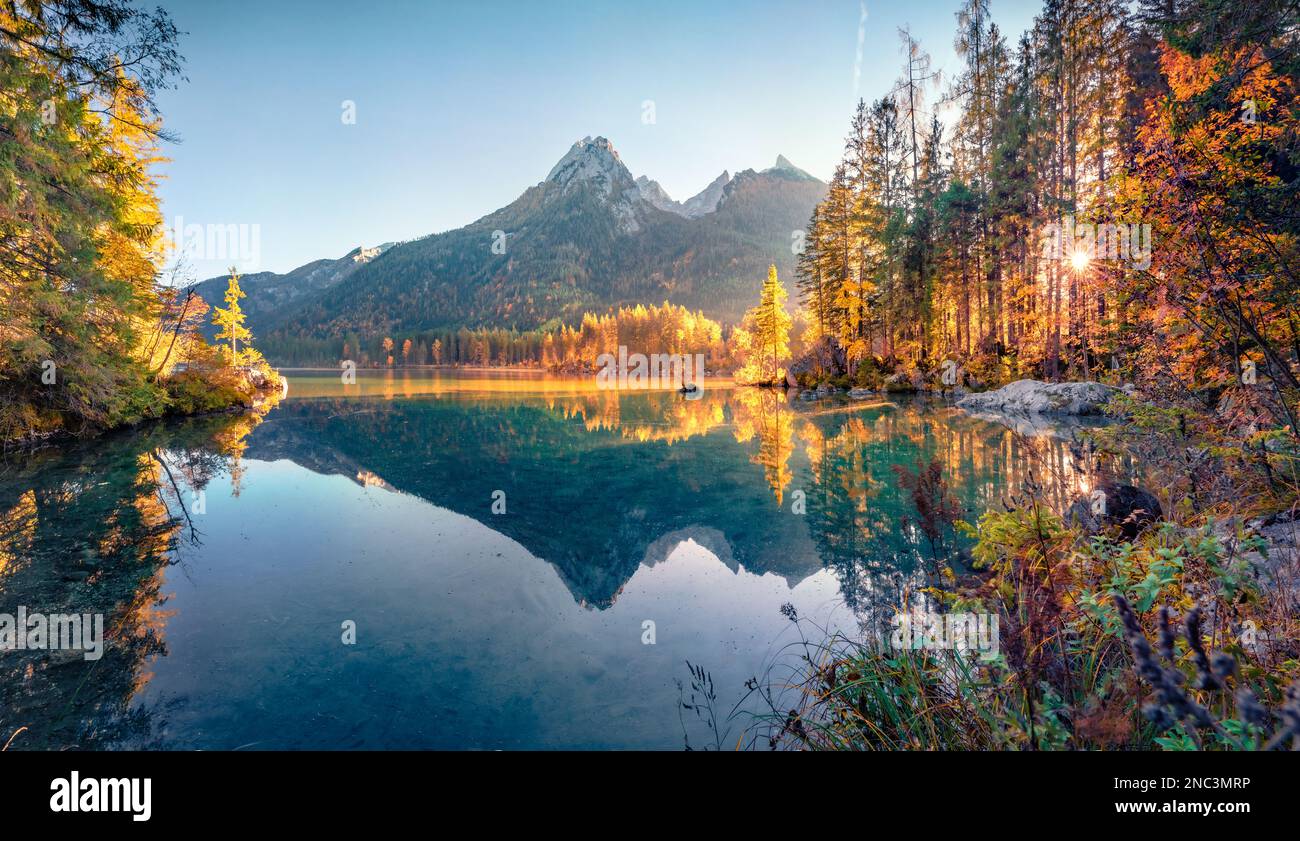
(230, 320)
(770, 334)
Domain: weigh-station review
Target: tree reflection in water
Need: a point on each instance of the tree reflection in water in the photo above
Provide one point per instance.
(777, 486)
(94, 528)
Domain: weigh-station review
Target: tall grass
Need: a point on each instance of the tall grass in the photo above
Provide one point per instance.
(1077, 669)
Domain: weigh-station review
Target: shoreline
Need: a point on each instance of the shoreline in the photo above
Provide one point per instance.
(32, 442)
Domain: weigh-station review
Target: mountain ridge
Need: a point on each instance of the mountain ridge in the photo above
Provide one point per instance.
(586, 238)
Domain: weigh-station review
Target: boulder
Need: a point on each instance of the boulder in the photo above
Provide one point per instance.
(826, 355)
(1130, 508)
(1032, 397)
(259, 379)
(861, 393)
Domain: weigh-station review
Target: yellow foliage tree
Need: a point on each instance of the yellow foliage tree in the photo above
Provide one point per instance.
(768, 329)
(230, 320)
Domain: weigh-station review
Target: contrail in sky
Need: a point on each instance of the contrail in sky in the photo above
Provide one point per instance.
(862, 37)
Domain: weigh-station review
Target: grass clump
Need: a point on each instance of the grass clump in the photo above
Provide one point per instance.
(1076, 666)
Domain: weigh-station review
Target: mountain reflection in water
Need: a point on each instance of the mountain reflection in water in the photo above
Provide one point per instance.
(226, 552)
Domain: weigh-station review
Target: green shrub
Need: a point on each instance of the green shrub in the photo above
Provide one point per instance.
(196, 391)
(1075, 668)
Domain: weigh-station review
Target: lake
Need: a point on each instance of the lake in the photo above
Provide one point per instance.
(524, 561)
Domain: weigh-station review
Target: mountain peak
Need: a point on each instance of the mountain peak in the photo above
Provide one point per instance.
(591, 160)
(784, 167)
(654, 193)
(708, 199)
(599, 246)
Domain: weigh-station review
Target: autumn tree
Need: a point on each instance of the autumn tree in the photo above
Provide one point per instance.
(80, 232)
(229, 321)
(1216, 172)
(767, 327)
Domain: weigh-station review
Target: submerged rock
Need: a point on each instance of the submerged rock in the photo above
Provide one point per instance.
(1060, 427)
(1130, 508)
(1032, 397)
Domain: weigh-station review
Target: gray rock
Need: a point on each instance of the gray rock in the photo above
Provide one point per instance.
(1032, 397)
(826, 356)
(1059, 427)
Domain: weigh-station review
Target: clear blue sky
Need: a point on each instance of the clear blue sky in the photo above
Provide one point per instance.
(460, 106)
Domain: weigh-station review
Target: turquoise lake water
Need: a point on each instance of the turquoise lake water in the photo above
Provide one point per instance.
(499, 544)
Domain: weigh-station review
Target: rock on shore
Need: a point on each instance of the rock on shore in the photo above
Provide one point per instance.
(1032, 397)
